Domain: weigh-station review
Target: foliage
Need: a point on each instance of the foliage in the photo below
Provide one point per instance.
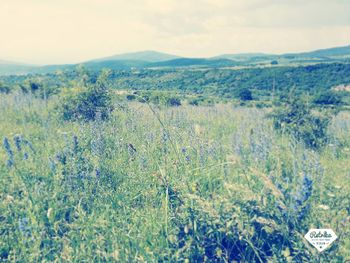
(201, 101)
(243, 94)
(173, 101)
(297, 119)
(4, 88)
(328, 98)
(94, 102)
(156, 98)
(165, 184)
(219, 82)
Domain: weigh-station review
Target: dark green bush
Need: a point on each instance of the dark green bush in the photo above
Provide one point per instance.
(328, 98)
(297, 119)
(4, 88)
(243, 94)
(95, 101)
(173, 101)
(130, 97)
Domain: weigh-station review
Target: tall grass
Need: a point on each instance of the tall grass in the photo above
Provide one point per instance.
(188, 184)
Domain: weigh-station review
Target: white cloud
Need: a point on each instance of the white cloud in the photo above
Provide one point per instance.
(61, 31)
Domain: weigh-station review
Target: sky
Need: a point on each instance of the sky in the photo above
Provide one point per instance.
(72, 31)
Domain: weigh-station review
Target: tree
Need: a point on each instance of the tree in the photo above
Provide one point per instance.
(297, 119)
(327, 98)
(243, 94)
(4, 88)
(94, 102)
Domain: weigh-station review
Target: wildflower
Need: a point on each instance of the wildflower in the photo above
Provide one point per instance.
(9, 198)
(218, 252)
(23, 226)
(18, 140)
(49, 213)
(306, 188)
(28, 143)
(324, 207)
(331, 195)
(132, 149)
(52, 165)
(300, 206)
(97, 173)
(187, 157)
(75, 144)
(7, 146)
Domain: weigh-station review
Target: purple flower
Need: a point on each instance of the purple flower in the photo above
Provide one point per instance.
(18, 140)
(7, 146)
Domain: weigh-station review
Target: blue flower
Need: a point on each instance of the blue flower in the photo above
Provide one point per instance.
(10, 162)
(18, 140)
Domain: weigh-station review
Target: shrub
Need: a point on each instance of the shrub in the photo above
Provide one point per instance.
(130, 97)
(243, 94)
(173, 101)
(95, 101)
(261, 105)
(200, 100)
(4, 89)
(297, 119)
(327, 98)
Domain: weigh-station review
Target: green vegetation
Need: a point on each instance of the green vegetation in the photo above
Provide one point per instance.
(243, 94)
(328, 98)
(140, 174)
(4, 88)
(296, 118)
(94, 102)
(263, 83)
(159, 61)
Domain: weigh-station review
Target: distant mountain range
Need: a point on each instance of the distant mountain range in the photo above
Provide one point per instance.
(147, 56)
(154, 59)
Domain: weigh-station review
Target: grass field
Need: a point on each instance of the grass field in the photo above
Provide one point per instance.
(178, 184)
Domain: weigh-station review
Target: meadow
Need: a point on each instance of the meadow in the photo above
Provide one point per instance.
(167, 184)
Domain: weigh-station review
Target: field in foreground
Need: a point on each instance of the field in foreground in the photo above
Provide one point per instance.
(186, 184)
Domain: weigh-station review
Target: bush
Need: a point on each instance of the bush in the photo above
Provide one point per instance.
(94, 102)
(173, 101)
(4, 89)
(243, 94)
(130, 97)
(297, 119)
(328, 98)
(201, 101)
(262, 104)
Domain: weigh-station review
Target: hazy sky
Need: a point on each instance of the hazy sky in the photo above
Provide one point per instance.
(66, 31)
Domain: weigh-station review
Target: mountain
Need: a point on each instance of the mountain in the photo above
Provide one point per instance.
(244, 56)
(321, 55)
(154, 59)
(195, 62)
(11, 67)
(146, 56)
(329, 52)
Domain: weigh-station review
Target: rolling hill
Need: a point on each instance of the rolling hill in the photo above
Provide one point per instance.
(14, 68)
(195, 62)
(145, 56)
(154, 59)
